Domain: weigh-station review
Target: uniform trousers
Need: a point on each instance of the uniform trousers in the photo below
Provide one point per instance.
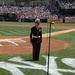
(36, 50)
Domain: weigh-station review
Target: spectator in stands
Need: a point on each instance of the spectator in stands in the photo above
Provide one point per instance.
(27, 12)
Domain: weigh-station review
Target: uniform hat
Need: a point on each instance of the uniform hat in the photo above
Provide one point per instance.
(37, 20)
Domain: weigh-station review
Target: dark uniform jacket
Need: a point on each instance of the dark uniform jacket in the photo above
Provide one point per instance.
(36, 34)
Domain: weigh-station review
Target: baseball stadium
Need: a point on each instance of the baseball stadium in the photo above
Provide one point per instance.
(57, 53)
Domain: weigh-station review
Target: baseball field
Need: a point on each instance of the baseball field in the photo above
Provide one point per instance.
(16, 49)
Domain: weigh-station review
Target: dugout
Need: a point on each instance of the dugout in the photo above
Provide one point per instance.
(9, 17)
(33, 20)
(1, 17)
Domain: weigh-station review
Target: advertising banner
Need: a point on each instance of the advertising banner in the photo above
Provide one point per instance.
(70, 20)
(60, 20)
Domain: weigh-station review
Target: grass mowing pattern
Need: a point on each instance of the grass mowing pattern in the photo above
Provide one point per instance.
(65, 53)
(69, 37)
(19, 31)
(14, 31)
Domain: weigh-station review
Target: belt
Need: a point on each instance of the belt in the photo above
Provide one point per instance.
(36, 36)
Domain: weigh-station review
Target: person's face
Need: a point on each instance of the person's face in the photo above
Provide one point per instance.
(37, 24)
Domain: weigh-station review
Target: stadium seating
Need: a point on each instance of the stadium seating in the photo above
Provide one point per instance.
(27, 12)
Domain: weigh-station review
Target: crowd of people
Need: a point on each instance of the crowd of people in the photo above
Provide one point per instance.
(68, 3)
(32, 12)
(27, 12)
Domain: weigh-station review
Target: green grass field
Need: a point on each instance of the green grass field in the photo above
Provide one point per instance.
(68, 53)
(19, 31)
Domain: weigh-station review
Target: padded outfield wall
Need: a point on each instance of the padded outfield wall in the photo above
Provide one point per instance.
(15, 18)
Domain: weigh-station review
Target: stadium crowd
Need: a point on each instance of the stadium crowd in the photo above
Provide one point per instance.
(68, 3)
(27, 12)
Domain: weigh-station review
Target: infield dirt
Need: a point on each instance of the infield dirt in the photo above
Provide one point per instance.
(7, 47)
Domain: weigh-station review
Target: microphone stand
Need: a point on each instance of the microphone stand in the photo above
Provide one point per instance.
(49, 45)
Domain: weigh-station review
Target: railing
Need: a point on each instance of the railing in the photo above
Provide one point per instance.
(60, 5)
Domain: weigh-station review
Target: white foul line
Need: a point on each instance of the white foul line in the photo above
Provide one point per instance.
(59, 32)
(11, 42)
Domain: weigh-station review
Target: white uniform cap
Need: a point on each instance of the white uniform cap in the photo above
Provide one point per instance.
(37, 20)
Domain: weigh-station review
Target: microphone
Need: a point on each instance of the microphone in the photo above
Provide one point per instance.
(51, 22)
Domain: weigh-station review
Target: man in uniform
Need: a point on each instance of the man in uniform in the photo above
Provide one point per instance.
(36, 39)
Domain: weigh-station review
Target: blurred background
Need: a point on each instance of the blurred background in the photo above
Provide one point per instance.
(29, 10)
